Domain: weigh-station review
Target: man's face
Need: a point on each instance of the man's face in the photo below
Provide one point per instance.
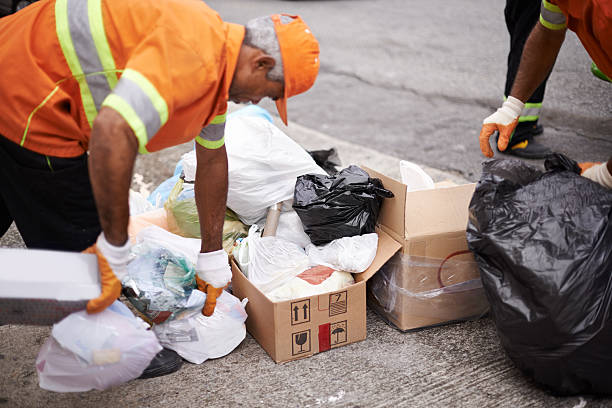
(250, 82)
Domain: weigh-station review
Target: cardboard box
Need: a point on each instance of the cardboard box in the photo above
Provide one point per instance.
(435, 279)
(299, 328)
(42, 287)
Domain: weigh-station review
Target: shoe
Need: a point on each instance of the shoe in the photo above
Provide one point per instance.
(528, 149)
(537, 130)
(165, 362)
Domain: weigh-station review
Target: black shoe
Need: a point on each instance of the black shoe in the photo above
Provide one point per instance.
(537, 130)
(165, 362)
(528, 149)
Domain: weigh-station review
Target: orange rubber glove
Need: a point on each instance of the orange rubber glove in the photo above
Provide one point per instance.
(504, 120)
(598, 172)
(213, 274)
(584, 166)
(112, 265)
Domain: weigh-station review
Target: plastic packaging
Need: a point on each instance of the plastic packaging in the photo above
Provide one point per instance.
(161, 276)
(349, 254)
(273, 261)
(298, 287)
(414, 177)
(290, 228)
(429, 291)
(138, 203)
(343, 205)
(198, 338)
(328, 159)
(95, 351)
(263, 164)
(543, 241)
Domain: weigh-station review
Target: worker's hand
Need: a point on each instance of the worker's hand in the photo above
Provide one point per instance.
(598, 172)
(213, 273)
(112, 264)
(504, 120)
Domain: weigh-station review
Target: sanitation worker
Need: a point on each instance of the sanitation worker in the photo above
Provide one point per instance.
(591, 20)
(87, 85)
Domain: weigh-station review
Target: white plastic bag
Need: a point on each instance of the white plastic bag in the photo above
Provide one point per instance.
(273, 261)
(298, 287)
(95, 351)
(263, 165)
(414, 177)
(190, 164)
(290, 229)
(196, 337)
(350, 254)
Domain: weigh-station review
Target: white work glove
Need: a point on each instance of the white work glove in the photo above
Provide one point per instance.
(213, 273)
(504, 120)
(599, 173)
(112, 266)
(116, 256)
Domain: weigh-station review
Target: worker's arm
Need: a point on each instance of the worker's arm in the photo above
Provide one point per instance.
(537, 60)
(539, 56)
(112, 151)
(212, 270)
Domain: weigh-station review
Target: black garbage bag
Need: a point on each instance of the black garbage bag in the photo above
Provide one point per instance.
(543, 243)
(343, 205)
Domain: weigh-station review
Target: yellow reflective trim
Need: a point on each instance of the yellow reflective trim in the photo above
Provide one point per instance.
(215, 144)
(551, 26)
(219, 119)
(96, 26)
(25, 132)
(126, 111)
(552, 7)
(529, 105)
(156, 99)
(65, 40)
(531, 118)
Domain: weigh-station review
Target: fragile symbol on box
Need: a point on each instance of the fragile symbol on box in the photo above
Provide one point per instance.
(300, 342)
(338, 333)
(300, 312)
(337, 303)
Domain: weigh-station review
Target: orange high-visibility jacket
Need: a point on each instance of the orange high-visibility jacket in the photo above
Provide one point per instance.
(591, 20)
(165, 66)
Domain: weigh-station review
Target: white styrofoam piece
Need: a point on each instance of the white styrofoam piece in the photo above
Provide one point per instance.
(44, 274)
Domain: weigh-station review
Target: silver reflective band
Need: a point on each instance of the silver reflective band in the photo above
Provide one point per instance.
(140, 102)
(213, 132)
(552, 17)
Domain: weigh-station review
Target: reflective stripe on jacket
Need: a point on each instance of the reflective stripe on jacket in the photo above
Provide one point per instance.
(164, 66)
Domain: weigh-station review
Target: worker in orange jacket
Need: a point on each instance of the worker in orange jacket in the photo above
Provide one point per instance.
(591, 20)
(86, 85)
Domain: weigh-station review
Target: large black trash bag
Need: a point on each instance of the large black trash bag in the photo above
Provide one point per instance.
(343, 205)
(543, 243)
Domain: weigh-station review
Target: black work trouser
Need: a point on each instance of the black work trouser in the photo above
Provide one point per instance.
(49, 198)
(521, 16)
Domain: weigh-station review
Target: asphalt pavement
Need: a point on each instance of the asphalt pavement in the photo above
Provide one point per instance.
(399, 80)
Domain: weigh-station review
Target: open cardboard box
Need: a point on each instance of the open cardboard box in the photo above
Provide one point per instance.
(42, 287)
(299, 328)
(437, 280)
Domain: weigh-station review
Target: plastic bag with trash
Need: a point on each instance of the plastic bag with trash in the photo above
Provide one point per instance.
(272, 262)
(161, 276)
(183, 219)
(198, 338)
(95, 351)
(343, 205)
(263, 164)
(543, 242)
(349, 254)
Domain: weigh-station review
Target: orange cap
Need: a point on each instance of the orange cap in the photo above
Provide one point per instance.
(300, 53)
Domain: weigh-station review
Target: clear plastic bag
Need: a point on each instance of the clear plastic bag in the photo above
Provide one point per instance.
(431, 291)
(95, 351)
(198, 338)
(273, 261)
(349, 254)
(162, 274)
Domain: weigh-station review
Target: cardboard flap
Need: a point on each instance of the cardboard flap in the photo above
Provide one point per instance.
(387, 247)
(392, 210)
(437, 211)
